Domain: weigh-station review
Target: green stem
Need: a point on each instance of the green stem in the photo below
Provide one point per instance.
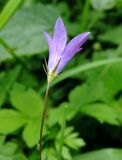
(9, 9)
(43, 119)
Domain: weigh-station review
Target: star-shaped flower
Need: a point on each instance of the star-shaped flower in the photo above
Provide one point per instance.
(61, 53)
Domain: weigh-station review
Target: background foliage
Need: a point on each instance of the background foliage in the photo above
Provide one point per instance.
(85, 103)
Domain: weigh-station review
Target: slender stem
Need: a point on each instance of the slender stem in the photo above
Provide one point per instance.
(9, 9)
(43, 119)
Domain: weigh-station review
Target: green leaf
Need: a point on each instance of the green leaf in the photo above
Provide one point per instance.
(74, 142)
(29, 104)
(10, 121)
(102, 85)
(117, 105)
(101, 112)
(7, 148)
(106, 154)
(109, 77)
(103, 5)
(8, 151)
(8, 10)
(66, 153)
(49, 153)
(78, 96)
(30, 40)
(19, 156)
(69, 140)
(31, 132)
(58, 112)
(6, 82)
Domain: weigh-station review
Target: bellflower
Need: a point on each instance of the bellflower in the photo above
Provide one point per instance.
(61, 53)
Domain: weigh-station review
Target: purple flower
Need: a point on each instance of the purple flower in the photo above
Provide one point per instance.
(61, 53)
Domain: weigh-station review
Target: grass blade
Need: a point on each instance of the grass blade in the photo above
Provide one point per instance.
(8, 10)
(85, 67)
(81, 69)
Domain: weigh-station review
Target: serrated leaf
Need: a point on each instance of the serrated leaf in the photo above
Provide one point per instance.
(31, 132)
(30, 40)
(102, 85)
(8, 151)
(93, 93)
(26, 101)
(70, 140)
(10, 121)
(19, 156)
(75, 143)
(58, 112)
(6, 82)
(66, 153)
(109, 76)
(101, 112)
(49, 153)
(29, 104)
(8, 148)
(117, 105)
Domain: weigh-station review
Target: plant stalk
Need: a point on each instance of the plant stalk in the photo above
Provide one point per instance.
(43, 119)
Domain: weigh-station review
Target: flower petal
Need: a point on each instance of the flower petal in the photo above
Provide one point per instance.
(58, 44)
(65, 60)
(76, 42)
(60, 37)
(49, 40)
(71, 49)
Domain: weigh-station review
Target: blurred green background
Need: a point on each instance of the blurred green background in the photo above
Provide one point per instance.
(85, 103)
